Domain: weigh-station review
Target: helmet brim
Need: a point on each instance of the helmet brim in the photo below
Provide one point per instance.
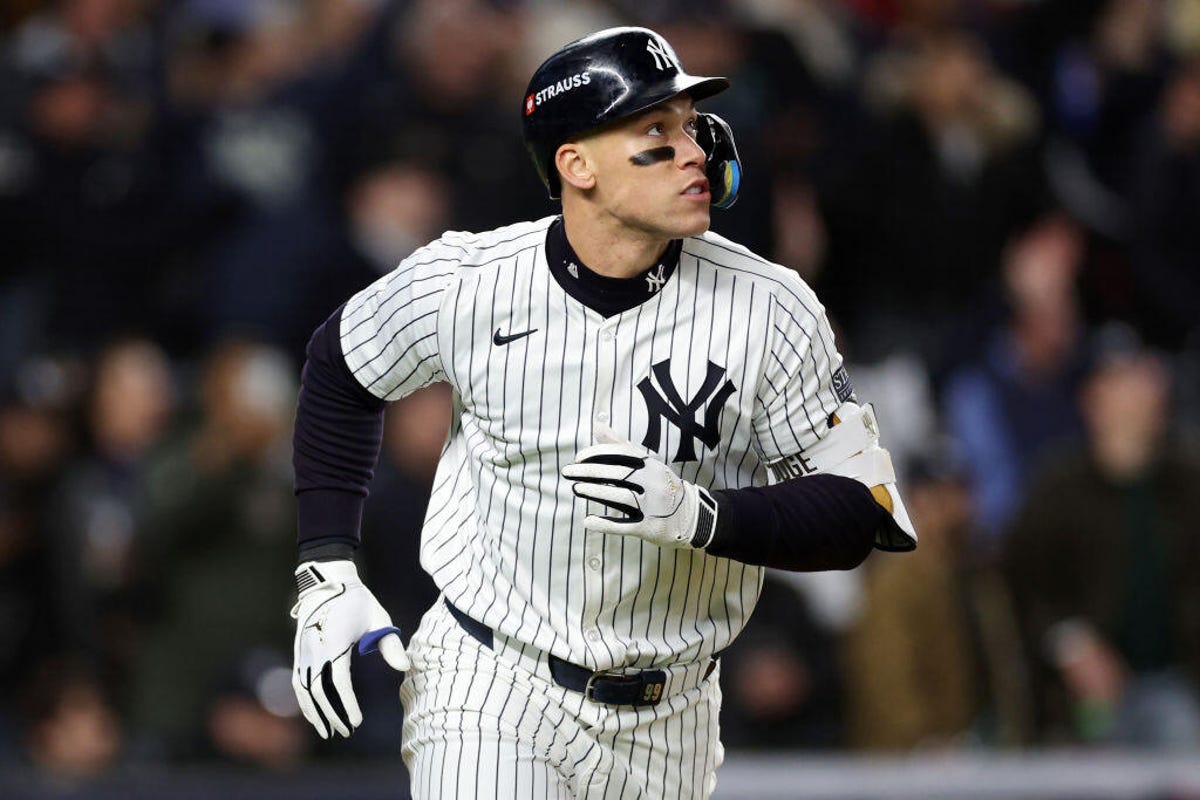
(698, 88)
(701, 88)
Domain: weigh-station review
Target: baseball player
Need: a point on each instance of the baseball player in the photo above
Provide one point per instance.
(646, 415)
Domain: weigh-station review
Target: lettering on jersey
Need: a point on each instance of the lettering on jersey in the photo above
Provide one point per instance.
(661, 59)
(656, 279)
(796, 466)
(842, 387)
(555, 89)
(682, 414)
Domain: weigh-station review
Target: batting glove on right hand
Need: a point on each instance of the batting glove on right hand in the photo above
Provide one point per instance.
(652, 501)
(334, 612)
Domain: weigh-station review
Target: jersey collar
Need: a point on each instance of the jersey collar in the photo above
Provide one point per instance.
(604, 295)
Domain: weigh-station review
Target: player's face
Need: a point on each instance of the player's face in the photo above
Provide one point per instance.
(650, 171)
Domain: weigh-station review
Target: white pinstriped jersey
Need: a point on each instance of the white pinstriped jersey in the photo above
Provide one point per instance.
(726, 366)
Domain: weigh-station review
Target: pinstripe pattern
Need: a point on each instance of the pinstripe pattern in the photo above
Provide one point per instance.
(491, 724)
(503, 536)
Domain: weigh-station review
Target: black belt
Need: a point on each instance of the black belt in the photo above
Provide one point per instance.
(644, 688)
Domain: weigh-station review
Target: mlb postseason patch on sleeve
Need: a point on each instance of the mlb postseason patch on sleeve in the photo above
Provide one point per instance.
(842, 386)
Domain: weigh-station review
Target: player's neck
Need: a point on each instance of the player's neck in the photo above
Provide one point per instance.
(613, 251)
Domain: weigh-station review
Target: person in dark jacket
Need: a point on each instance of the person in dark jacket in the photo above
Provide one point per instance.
(1103, 561)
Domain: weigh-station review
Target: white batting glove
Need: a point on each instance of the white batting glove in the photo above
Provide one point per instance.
(334, 612)
(652, 501)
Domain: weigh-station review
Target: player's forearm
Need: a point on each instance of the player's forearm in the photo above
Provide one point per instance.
(818, 522)
(339, 427)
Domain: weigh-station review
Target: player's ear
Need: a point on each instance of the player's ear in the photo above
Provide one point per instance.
(574, 165)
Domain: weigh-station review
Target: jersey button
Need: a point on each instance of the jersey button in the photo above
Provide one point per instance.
(607, 336)
(602, 416)
(592, 635)
(594, 562)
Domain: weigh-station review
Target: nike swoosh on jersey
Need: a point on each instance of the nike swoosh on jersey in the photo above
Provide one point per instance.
(501, 339)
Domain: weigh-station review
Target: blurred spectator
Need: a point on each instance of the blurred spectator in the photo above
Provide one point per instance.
(797, 228)
(73, 731)
(1166, 248)
(917, 223)
(85, 202)
(911, 662)
(781, 681)
(251, 717)
(1103, 83)
(255, 113)
(391, 209)
(35, 445)
(394, 209)
(438, 93)
(99, 506)
(819, 32)
(1019, 397)
(219, 525)
(1103, 562)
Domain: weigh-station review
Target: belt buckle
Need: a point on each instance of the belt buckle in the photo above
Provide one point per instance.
(647, 686)
(608, 673)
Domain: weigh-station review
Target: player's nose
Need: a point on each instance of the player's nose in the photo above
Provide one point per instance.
(689, 153)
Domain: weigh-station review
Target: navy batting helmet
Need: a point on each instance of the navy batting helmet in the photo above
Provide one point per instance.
(606, 76)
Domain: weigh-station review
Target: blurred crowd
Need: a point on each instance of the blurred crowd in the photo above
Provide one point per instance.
(997, 200)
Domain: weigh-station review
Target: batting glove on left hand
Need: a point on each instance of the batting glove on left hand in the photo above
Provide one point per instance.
(652, 501)
(334, 612)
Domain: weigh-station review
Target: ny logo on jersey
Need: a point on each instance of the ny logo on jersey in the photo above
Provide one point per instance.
(655, 279)
(683, 414)
(661, 59)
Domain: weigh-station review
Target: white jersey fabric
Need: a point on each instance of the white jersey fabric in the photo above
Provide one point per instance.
(728, 365)
(488, 722)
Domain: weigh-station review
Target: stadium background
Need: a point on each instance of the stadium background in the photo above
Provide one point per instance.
(998, 201)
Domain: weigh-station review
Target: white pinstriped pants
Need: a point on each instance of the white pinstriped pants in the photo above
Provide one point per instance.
(483, 723)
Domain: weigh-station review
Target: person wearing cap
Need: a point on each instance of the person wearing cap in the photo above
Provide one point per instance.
(646, 415)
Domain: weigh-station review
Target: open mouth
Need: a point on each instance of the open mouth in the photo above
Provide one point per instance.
(697, 188)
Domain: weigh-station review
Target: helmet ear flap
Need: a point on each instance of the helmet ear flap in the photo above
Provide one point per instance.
(723, 168)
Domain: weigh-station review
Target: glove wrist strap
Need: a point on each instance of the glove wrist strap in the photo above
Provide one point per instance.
(706, 519)
(312, 574)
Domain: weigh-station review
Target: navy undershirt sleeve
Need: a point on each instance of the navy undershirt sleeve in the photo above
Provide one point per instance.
(339, 427)
(817, 522)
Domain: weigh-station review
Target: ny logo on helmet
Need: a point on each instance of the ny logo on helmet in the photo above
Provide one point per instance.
(662, 59)
(683, 414)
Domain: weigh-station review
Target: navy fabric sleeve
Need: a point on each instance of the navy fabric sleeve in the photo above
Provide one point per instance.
(817, 522)
(339, 427)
